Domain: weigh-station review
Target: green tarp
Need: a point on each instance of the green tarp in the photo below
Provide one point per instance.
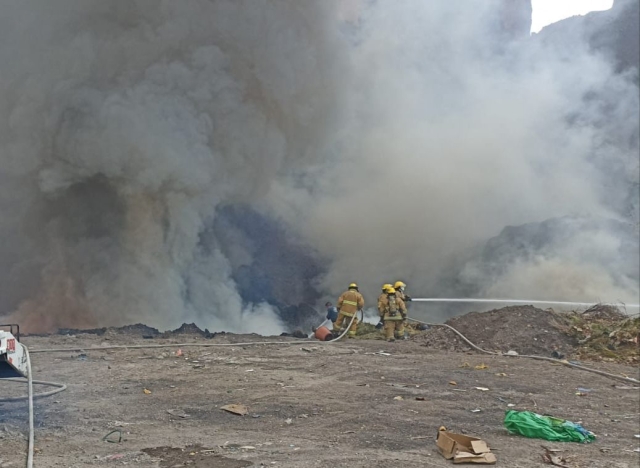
(535, 426)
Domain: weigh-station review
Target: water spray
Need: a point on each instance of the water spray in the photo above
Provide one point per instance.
(523, 301)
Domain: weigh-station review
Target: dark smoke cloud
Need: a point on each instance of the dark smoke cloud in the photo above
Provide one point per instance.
(384, 138)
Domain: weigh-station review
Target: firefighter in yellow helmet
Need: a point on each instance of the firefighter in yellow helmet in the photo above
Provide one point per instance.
(393, 313)
(381, 297)
(349, 303)
(399, 286)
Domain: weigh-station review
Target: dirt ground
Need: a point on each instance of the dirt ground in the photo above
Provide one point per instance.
(309, 405)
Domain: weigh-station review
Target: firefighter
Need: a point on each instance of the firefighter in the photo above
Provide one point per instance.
(393, 313)
(349, 303)
(380, 298)
(399, 286)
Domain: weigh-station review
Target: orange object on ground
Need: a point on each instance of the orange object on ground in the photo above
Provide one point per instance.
(323, 334)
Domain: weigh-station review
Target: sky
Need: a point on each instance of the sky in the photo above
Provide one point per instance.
(549, 11)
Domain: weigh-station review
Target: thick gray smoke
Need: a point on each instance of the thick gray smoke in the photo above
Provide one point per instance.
(391, 137)
(456, 132)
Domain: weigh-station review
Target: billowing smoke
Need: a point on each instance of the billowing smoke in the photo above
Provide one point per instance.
(385, 139)
(454, 133)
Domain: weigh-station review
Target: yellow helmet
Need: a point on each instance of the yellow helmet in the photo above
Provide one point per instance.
(386, 286)
(391, 291)
(353, 286)
(399, 284)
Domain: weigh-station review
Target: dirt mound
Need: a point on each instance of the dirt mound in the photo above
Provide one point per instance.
(189, 329)
(524, 329)
(137, 329)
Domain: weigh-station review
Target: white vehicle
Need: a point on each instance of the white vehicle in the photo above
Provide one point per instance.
(13, 359)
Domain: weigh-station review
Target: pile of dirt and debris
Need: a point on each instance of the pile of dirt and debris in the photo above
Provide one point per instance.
(189, 329)
(138, 329)
(524, 329)
(604, 333)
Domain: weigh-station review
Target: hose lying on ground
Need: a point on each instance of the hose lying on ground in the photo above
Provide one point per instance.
(287, 343)
(30, 397)
(60, 388)
(539, 358)
(194, 345)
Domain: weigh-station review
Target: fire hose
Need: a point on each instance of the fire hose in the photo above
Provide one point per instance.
(30, 398)
(539, 358)
(61, 387)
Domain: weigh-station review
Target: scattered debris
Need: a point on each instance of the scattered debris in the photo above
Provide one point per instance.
(605, 334)
(235, 409)
(501, 374)
(420, 398)
(111, 440)
(464, 449)
(511, 353)
(551, 459)
(179, 353)
(288, 421)
(146, 391)
(482, 389)
(398, 398)
(178, 413)
(115, 456)
(453, 382)
(482, 366)
(535, 426)
(477, 410)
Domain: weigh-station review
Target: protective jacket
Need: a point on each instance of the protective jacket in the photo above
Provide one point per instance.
(392, 308)
(350, 302)
(402, 295)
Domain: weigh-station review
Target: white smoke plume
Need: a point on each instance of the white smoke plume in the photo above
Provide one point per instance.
(455, 133)
(391, 136)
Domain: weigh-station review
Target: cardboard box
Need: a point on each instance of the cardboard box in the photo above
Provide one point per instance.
(464, 449)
